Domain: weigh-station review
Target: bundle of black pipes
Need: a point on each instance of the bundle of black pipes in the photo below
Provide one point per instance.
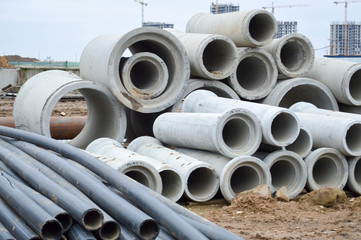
(52, 190)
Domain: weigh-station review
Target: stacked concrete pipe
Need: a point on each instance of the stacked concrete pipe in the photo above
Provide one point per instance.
(201, 180)
(354, 174)
(236, 175)
(252, 28)
(232, 133)
(173, 185)
(34, 105)
(280, 126)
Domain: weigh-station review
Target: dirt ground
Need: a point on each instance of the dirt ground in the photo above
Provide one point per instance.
(253, 217)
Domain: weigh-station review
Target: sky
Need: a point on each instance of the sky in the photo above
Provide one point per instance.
(61, 29)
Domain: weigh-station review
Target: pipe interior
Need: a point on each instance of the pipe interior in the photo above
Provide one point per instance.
(261, 27)
(51, 230)
(218, 57)
(138, 176)
(109, 230)
(324, 172)
(244, 178)
(284, 127)
(66, 220)
(201, 182)
(92, 219)
(355, 86)
(357, 172)
(236, 133)
(353, 138)
(283, 173)
(252, 73)
(293, 55)
(172, 183)
(144, 75)
(302, 144)
(149, 229)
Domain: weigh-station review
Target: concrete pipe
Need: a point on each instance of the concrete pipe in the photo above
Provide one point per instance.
(102, 58)
(280, 126)
(294, 55)
(236, 175)
(288, 92)
(326, 167)
(346, 137)
(349, 108)
(255, 75)
(144, 75)
(232, 133)
(252, 28)
(201, 180)
(37, 97)
(173, 185)
(212, 57)
(354, 174)
(287, 169)
(342, 77)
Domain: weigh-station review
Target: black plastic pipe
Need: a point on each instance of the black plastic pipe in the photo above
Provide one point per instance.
(78, 232)
(5, 234)
(146, 199)
(8, 170)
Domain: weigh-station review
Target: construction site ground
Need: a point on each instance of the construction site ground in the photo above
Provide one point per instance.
(257, 217)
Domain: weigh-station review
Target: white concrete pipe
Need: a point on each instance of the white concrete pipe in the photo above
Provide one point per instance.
(172, 182)
(326, 167)
(235, 175)
(342, 77)
(343, 134)
(38, 96)
(293, 53)
(349, 108)
(354, 174)
(288, 92)
(287, 169)
(255, 75)
(201, 180)
(211, 56)
(280, 126)
(252, 28)
(101, 61)
(231, 133)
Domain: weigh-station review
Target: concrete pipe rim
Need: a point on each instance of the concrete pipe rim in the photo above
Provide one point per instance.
(351, 85)
(260, 27)
(173, 184)
(352, 139)
(302, 144)
(354, 174)
(284, 128)
(337, 170)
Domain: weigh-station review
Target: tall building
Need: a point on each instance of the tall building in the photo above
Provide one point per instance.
(353, 38)
(284, 28)
(158, 24)
(224, 8)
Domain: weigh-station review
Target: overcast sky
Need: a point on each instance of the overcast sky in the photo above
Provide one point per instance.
(62, 28)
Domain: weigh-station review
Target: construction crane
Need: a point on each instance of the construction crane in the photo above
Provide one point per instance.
(217, 7)
(143, 5)
(285, 6)
(346, 2)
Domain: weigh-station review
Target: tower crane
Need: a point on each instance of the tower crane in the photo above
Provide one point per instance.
(284, 6)
(144, 4)
(346, 3)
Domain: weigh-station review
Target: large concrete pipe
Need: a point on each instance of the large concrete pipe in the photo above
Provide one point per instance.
(341, 77)
(235, 175)
(287, 169)
(210, 56)
(280, 126)
(255, 75)
(343, 134)
(252, 28)
(349, 108)
(37, 97)
(293, 53)
(232, 133)
(173, 185)
(354, 174)
(201, 180)
(288, 92)
(326, 167)
(101, 61)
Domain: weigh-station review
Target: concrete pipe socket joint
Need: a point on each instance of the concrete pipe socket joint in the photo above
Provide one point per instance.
(212, 57)
(280, 126)
(101, 62)
(294, 55)
(252, 28)
(232, 133)
(287, 169)
(354, 174)
(38, 96)
(236, 175)
(255, 75)
(172, 182)
(326, 167)
(290, 91)
(201, 180)
(342, 77)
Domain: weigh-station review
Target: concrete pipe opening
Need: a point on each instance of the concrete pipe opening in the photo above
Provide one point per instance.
(139, 174)
(109, 230)
(284, 128)
(353, 139)
(149, 229)
(293, 55)
(357, 173)
(172, 184)
(141, 71)
(252, 73)
(324, 172)
(283, 174)
(303, 143)
(92, 219)
(262, 27)
(202, 184)
(244, 178)
(355, 86)
(51, 229)
(242, 136)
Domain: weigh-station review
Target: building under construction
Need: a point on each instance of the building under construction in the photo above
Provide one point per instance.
(284, 28)
(216, 8)
(345, 43)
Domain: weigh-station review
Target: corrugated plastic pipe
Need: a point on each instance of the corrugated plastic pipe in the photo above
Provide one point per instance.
(326, 167)
(252, 28)
(201, 180)
(280, 126)
(5, 234)
(173, 185)
(231, 133)
(235, 175)
(354, 174)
